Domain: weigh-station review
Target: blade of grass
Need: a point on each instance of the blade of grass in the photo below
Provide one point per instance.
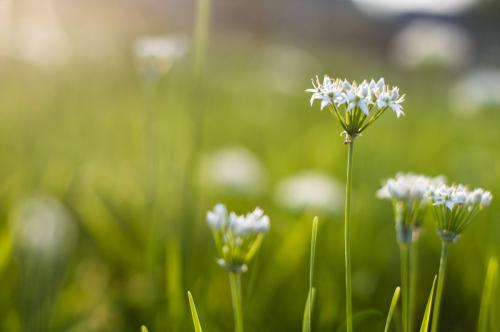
(309, 302)
(306, 321)
(394, 303)
(194, 314)
(488, 298)
(427, 314)
(144, 329)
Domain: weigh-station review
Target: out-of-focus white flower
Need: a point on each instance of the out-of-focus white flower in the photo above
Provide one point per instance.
(310, 190)
(476, 90)
(395, 7)
(426, 41)
(455, 208)
(356, 106)
(237, 170)
(237, 237)
(156, 55)
(43, 227)
(408, 194)
(34, 33)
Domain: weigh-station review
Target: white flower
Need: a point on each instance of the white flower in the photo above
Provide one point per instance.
(356, 105)
(310, 190)
(455, 207)
(477, 90)
(408, 193)
(156, 55)
(217, 218)
(237, 237)
(408, 186)
(392, 100)
(236, 170)
(253, 223)
(43, 227)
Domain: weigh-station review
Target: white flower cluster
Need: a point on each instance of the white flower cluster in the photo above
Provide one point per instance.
(455, 207)
(237, 237)
(409, 187)
(407, 192)
(459, 195)
(240, 225)
(365, 96)
(156, 55)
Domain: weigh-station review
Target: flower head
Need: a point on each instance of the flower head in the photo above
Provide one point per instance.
(355, 105)
(156, 55)
(237, 237)
(455, 208)
(407, 192)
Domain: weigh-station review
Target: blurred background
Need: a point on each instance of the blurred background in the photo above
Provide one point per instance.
(122, 122)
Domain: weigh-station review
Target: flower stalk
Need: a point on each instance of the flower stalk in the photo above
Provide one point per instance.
(440, 285)
(236, 298)
(347, 236)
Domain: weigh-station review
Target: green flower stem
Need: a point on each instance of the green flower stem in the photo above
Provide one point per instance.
(440, 284)
(413, 283)
(405, 249)
(347, 236)
(235, 284)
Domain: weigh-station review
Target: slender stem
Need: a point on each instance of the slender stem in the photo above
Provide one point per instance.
(347, 236)
(413, 283)
(235, 284)
(405, 284)
(439, 291)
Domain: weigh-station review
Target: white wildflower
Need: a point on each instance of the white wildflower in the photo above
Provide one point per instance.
(310, 190)
(237, 237)
(43, 227)
(156, 55)
(356, 105)
(236, 170)
(408, 193)
(455, 207)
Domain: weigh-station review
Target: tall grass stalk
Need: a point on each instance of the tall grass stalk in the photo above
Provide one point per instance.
(310, 299)
(405, 249)
(439, 291)
(201, 32)
(194, 313)
(487, 310)
(392, 308)
(427, 314)
(235, 285)
(347, 236)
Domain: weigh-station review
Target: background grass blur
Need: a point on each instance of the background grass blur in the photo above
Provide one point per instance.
(79, 133)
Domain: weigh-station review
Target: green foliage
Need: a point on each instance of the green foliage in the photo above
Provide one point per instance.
(427, 314)
(306, 323)
(487, 314)
(144, 329)
(194, 313)
(394, 303)
(306, 320)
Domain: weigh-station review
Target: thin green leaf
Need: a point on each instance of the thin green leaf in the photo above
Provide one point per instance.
(394, 303)
(194, 314)
(427, 314)
(144, 329)
(488, 299)
(306, 322)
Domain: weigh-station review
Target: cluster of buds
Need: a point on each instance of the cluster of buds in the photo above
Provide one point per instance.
(455, 208)
(237, 237)
(356, 106)
(407, 192)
